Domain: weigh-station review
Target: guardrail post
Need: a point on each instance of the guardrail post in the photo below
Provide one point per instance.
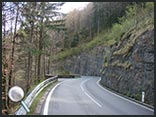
(143, 96)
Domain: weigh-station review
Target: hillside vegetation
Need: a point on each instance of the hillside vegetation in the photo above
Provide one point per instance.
(131, 22)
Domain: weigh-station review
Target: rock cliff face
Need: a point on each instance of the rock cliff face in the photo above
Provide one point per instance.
(130, 69)
(127, 68)
(87, 63)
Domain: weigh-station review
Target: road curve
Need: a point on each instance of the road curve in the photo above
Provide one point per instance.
(84, 96)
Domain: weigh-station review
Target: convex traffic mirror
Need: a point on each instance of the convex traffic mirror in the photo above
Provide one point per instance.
(16, 94)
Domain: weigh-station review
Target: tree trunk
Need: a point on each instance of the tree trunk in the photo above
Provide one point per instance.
(28, 72)
(25, 67)
(44, 65)
(29, 60)
(35, 68)
(40, 49)
(36, 58)
(49, 60)
(48, 68)
(4, 75)
(38, 72)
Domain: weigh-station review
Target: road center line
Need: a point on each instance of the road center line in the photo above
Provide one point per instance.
(81, 85)
(123, 97)
(93, 99)
(46, 106)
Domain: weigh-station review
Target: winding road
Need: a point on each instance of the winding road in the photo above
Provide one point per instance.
(85, 96)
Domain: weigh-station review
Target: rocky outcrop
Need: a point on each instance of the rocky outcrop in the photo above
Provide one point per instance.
(87, 63)
(130, 69)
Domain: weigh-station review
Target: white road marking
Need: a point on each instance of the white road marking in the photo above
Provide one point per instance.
(122, 97)
(46, 106)
(93, 99)
(83, 83)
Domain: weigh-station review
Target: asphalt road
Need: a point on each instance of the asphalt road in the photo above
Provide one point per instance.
(84, 96)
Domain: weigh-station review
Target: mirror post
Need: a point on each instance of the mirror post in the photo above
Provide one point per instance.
(25, 106)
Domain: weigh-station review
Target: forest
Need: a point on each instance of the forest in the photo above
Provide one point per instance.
(36, 36)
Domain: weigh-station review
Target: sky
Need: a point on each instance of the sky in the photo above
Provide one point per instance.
(69, 6)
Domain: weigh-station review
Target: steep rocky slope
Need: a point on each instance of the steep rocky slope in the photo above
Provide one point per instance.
(86, 63)
(130, 69)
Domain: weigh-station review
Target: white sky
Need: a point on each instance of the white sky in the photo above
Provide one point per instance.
(69, 6)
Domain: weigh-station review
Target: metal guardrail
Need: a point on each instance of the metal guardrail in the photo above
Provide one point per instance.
(30, 98)
(63, 75)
